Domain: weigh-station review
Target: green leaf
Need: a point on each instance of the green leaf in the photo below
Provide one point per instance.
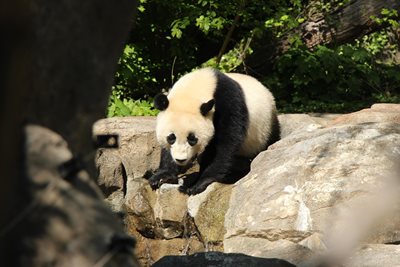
(123, 110)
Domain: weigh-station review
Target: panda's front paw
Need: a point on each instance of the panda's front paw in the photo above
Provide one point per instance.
(183, 189)
(155, 182)
(190, 190)
(196, 188)
(162, 177)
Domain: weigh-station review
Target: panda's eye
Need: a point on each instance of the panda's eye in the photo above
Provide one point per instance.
(192, 139)
(171, 139)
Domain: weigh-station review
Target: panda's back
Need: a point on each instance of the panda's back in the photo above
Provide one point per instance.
(261, 111)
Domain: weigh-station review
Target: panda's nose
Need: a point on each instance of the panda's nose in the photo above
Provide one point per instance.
(180, 160)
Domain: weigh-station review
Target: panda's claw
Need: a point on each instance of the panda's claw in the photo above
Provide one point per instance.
(183, 189)
(194, 190)
(154, 184)
(187, 190)
(160, 178)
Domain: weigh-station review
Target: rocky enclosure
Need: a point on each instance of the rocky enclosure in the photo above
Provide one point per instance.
(326, 189)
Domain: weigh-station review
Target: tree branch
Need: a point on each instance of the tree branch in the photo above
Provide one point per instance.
(341, 26)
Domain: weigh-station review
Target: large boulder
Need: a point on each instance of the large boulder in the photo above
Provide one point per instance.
(377, 113)
(221, 260)
(292, 123)
(301, 187)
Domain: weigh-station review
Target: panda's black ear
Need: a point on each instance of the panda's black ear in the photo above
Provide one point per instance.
(161, 102)
(206, 107)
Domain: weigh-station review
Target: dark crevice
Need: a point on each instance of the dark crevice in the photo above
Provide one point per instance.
(393, 243)
(190, 229)
(124, 179)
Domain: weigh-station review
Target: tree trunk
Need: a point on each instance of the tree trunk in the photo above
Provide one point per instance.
(345, 24)
(57, 65)
(341, 26)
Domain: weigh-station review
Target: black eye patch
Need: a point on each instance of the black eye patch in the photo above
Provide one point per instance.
(192, 139)
(171, 139)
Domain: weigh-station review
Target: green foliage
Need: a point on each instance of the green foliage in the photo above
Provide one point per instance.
(133, 75)
(231, 60)
(171, 38)
(125, 107)
(381, 43)
(388, 16)
(339, 79)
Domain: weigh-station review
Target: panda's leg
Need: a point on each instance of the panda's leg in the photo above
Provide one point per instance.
(207, 157)
(230, 133)
(166, 173)
(204, 161)
(217, 165)
(217, 171)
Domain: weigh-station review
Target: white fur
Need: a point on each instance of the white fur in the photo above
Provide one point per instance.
(181, 124)
(192, 90)
(183, 114)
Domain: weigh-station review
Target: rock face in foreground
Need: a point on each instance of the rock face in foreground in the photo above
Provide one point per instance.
(304, 186)
(67, 222)
(324, 188)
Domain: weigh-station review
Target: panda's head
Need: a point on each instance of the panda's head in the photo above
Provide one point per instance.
(184, 133)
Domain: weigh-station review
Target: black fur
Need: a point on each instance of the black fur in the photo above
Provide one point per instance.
(206, 107)
(166, 173)
(231, 119)
(161, 102)
(275, 131)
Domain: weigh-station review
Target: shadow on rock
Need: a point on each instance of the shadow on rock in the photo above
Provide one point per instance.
(219, 259)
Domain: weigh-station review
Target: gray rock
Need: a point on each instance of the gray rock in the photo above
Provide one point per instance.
(208, 210)
(219, 259)
(290, 123)
(310, 183)
(374, 255)
(390, 107)
(138, 151)
(314, 183)
(259, 246)
(139, 204)
(170, 210)
(69, 224)
(296, 123)
(377, 113)
(164, 209)
(152, 250)
(121, 170)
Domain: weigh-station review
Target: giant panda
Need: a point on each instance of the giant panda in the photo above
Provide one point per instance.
(215, 117)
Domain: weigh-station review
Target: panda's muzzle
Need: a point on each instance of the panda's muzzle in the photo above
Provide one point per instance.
(185, 162)
(180, 161)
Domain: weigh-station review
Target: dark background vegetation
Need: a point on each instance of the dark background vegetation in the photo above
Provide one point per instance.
(315, 56)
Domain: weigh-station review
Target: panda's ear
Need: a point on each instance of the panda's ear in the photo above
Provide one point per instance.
(161, 102)
(206, 107)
